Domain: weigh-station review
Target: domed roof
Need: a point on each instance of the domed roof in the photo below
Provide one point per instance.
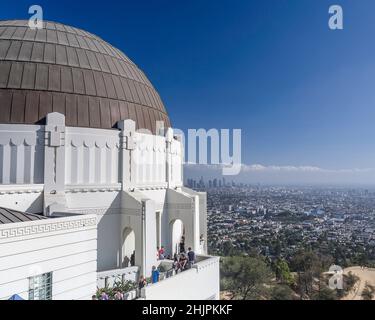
(64, 69)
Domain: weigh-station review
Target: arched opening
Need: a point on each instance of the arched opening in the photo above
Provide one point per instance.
(128, 248)
(177, 236)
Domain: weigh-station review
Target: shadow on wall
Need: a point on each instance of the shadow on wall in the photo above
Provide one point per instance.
(128, 248)
(109, 233)
(36, 206)
(177, 234)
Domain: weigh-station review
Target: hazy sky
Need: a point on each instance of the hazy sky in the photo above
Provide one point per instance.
(303, 95)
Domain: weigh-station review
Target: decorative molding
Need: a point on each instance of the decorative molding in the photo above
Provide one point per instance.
(92, 188)
(97, 211)
(107, 211)
(54, 136)
(13, 232)
(2, 192)
(150, 187)
(20, 189)
(95, 141)
(16, 139)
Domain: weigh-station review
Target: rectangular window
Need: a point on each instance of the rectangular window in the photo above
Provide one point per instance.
(40, 287)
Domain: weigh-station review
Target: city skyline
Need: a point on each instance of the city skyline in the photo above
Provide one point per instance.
(285, 175)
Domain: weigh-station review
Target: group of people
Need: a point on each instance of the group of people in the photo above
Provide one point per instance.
(160, 254)
(183, 261)
(129, 262)
(155, 274)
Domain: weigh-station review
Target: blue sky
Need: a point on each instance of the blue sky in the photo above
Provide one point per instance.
(303, 95)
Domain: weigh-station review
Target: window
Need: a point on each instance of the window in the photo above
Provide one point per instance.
(40, 287)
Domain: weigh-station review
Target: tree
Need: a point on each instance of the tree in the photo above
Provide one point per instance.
(324, 293)
(281, 292)
(245, 277)
(276, 247)
(227, 248)
(308, 267)
(282, 272)
(350, 280)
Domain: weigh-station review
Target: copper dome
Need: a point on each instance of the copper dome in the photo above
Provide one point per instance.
(64, 69)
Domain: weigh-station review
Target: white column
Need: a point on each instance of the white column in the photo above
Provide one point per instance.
(127, 147)
(196, 235)
(54, 163)
(169, 164)
(149, 236)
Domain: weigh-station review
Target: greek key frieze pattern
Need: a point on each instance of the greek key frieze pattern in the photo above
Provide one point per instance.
(46, 228)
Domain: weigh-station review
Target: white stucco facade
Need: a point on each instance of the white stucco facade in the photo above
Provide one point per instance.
(130, 182)
(64, 247)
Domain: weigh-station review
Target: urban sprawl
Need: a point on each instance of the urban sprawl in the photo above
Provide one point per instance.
(279, 221)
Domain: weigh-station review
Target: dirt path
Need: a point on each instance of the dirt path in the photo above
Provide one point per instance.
(365, 275)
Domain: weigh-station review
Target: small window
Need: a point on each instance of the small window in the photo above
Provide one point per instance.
(40, 287)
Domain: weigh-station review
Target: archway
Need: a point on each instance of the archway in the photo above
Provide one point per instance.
(177, 234)
(128, 248)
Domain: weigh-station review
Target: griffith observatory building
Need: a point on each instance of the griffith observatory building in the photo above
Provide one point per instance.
(90, 173)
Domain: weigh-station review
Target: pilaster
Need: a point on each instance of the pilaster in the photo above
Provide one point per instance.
(54, 163)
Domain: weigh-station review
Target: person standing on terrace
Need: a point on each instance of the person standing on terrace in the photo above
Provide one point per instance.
(155, 275)
(132, 259)
(142, 282)
(191, 257)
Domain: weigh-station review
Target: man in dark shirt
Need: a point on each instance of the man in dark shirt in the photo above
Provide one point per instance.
(191, 257)
(182, 246)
